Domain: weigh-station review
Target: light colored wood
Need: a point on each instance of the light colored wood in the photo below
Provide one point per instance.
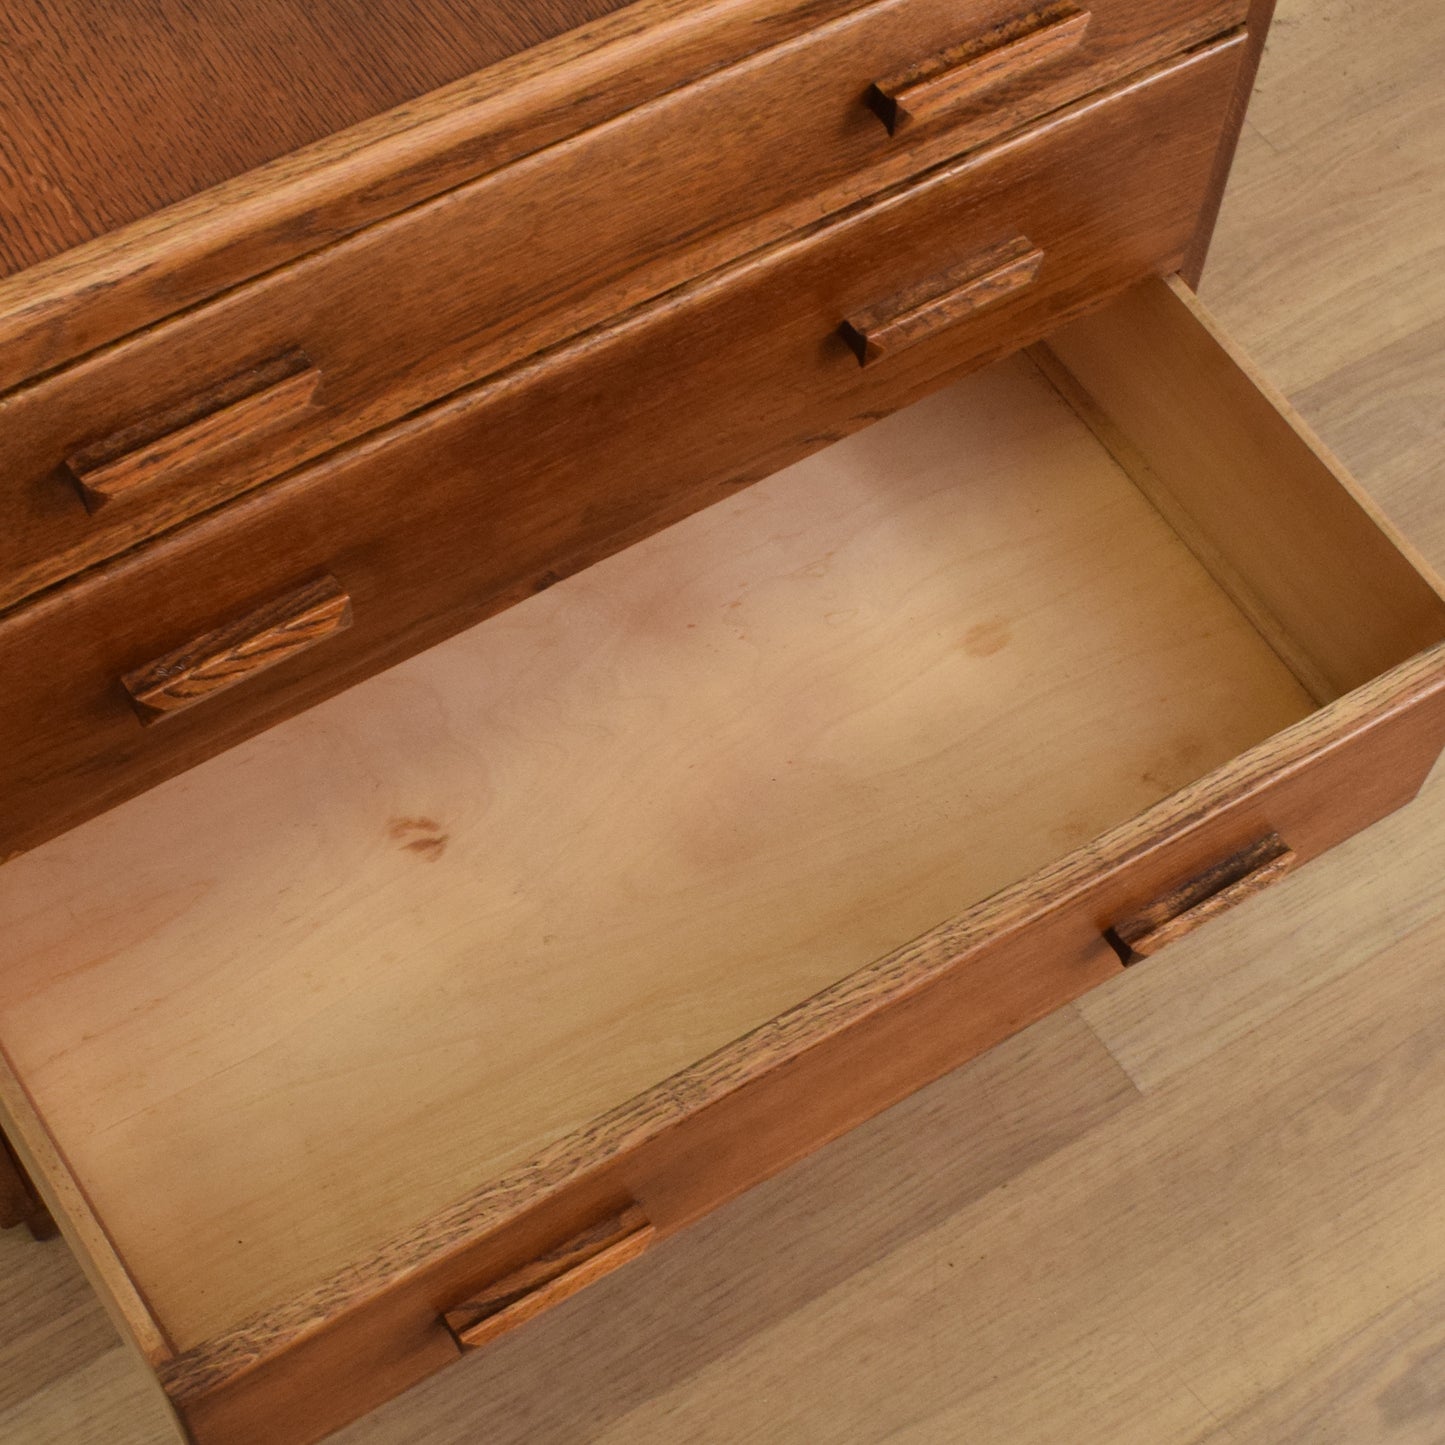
(1024, 1100)
(1333, 237)
(846, 1209)
(239, 650)
(1218, 1191)
(145, 1340)
(767, 1100)
(1381, 1383)
(1290, 1176)
(105, 1402)
(925, 1007)
(1281, 524)
(51, 1322)
(1348, 313)
(899, 608)
(36, 1149)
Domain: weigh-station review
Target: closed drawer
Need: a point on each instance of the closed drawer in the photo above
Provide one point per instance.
(365, 1042)
(482, 501)
(154, 430)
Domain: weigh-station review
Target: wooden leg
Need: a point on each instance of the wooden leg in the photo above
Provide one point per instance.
(19, 1203)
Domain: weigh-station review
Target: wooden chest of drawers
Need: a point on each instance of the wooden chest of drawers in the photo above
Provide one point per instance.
(287, 367)
(462, 832)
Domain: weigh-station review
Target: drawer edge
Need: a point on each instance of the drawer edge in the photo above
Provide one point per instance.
(63, 1196)
(731, 1121)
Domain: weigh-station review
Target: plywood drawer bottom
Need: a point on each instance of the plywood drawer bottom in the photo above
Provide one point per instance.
(418, 1011)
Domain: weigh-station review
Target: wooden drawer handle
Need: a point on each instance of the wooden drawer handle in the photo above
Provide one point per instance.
(1213, 892)
(141, 455)
(557, 1275)
(241, 649)
(951, 80)
(941, 301)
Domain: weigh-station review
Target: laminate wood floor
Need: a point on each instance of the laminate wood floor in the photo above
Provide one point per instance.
(1204, 1207)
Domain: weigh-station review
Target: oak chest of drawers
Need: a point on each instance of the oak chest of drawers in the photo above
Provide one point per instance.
(570, 636)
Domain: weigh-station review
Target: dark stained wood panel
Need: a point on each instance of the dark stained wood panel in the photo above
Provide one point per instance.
(111, 109)
(493, 495)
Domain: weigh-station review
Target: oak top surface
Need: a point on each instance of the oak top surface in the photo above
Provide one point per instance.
(110, 111)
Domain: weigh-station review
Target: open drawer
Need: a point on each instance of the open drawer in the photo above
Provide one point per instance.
(358, 1045)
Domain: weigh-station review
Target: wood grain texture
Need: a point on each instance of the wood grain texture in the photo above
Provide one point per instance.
(1281, 1174)
(1348, 783)
(107, 1401)
(940, 573)
(729, 1123)
(195, 431)
(510, 486)
(404, 313)
(239, 651)
(846, 1210)
(51, 1323)
(1380, 1382)
(942, 301)
(1285, 1193)
(1260, 19)
(143, 107)
(1025, 1100)
(931, 90)
(379, 1342)
(1365, 285)
(60, 309)
(1321, 571)
(558, 1274)
(45, 1166)
(1199, 900)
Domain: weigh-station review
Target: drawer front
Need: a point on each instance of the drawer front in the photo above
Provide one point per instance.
(256, 612)
(155, 430)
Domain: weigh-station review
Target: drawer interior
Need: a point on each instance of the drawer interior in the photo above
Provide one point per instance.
(282, 1008)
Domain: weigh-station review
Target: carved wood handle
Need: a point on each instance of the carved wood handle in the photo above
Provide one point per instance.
(940, 302)
(241, 649)
(953, 79)
(557, 1275)
(141, 455)
(1215, 891)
